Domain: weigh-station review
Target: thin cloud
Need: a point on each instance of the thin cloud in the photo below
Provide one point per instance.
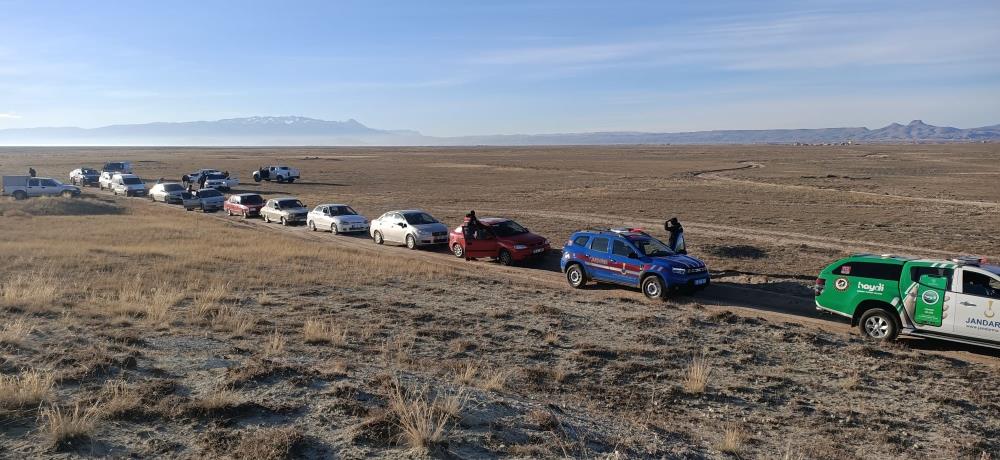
(10, 116)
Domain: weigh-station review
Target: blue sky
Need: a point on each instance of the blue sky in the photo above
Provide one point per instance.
(465, 67)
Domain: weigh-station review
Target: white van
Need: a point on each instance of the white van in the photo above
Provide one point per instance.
(128, 185)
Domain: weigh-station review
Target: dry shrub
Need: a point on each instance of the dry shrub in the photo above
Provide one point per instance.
(61, 427)
(229, 319)
(267, 443)
(422, 425)
(551, 338)
(473, 375)
(118, 398)
(734, 439)
(25, 390)
(545, 420)
(275, 344)
(160, 302)
(217, 400)
(397, 350)
(696, 377)
(852, 381)
(466, 374)
(39, 290)
(316, 331)
(495, 380)
(14, 332)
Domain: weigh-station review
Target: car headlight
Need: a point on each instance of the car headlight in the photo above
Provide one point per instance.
(520, 247)
(679, 271)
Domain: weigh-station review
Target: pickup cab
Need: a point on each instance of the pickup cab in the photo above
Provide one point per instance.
(886, 295)
(244, 204)
(276, 173)
(128, 185)
(21, 187)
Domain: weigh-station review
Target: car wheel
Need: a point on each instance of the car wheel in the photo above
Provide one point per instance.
(67, 194)
(20, 195)
(333, 229)
(256, 177)
(575, 276)
(246, 215)
(458, 250)
(280, 179)
(652, 287)
(505, 258)
(411, 242)
(878, 324)
(312, 225)
(377, 237)
(284, 222)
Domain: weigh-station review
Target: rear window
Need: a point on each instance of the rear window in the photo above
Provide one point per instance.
(889, 272)
(251, 199)
(172, 187)
(581, 240)
(208, 193)
(599, 244)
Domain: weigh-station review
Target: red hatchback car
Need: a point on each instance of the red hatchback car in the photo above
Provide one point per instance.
(244, 204)
(505, 240)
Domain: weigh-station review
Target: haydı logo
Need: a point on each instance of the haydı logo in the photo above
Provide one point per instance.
(930, 297)
(871, 288)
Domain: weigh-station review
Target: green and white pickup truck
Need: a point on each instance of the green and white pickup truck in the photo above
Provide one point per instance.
(957, 299)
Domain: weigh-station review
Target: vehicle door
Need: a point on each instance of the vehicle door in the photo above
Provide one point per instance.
(977, 313)
(598, 258)
(396, 228)
(624, 264)
(34, 187)
(269, 210)
(482, 244)
(321, 217)
(930, 298)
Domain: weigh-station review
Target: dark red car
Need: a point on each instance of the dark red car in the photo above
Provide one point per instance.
(502, 239)
(244, 204)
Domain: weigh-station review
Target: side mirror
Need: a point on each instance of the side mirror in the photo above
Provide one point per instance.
(936, 282)
(402, 225)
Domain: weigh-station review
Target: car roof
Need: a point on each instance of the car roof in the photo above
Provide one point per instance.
(404, 211)
(493, 220)
(171, 183)
(282, 198)
(331, 204)
(247, 194)
(125, 175)
(629, 233)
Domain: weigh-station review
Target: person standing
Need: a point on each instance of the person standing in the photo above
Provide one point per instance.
(470, 226)
(676, 231)
(31, 172)
(201, 180)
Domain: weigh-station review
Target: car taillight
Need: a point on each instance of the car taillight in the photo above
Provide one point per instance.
(818, 288)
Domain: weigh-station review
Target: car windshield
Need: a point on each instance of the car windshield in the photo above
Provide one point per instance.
(251, 199)
(172, 187)
(419, 218)
(508, 228)
(208, 193)
(187, 195)
(216, 176)
(288, 204)
(342, 211)
(652, 247)
(131, 180)
(114, 167)
(88, 171)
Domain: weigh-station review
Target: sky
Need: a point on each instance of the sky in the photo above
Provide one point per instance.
(475, 67)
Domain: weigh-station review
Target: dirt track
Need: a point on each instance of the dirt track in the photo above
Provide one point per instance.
(722, 295)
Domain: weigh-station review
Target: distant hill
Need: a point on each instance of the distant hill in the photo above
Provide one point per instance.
(290, 130)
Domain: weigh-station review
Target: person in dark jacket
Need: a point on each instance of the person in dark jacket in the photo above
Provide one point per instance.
(31, 172)
(201, 181)
(471, 228)
(676, 231)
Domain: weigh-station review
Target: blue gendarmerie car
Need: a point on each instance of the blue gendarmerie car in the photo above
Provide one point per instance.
(633, 258)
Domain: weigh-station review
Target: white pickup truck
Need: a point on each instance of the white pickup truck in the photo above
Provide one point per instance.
(276, 173)
(21, 187)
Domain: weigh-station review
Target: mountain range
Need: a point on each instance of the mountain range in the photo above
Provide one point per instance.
(297, 131)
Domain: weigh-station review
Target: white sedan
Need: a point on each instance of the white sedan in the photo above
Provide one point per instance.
(337, 218)
(411, 227)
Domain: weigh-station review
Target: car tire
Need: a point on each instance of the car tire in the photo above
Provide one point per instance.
(311, 225)
(67, 194)
(878, 324)
(280, 179)
(652, 287)
(458, 250)
(505, 258)
(246, 215)
(377, 237)
(256, 177)
(284, 222)
(575, 276)
(411, 242)
(333, 229)
(20, 195)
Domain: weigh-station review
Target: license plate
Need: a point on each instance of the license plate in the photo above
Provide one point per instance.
(536, 251)
(699, 282)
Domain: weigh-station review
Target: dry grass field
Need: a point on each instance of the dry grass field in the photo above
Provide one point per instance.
(136, 329)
